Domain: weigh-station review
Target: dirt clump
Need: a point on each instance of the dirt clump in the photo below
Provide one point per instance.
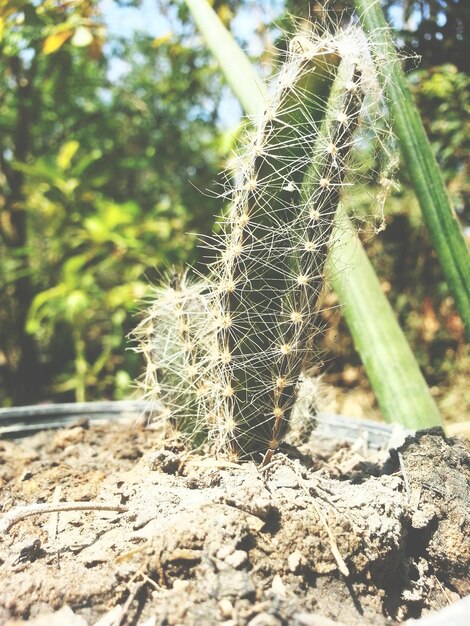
(349, 537)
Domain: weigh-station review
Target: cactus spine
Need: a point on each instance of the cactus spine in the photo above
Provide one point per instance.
(255, 317)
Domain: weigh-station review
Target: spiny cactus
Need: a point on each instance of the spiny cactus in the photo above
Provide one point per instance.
(171, 339)
(226, 354)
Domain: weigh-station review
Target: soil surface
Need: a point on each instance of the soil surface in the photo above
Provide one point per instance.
(328, 533)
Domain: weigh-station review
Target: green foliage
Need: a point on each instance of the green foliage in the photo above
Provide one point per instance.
(96, 196)
(442, 94)
(94, 252)
(106, 146)
(421, 163)
(437, 31)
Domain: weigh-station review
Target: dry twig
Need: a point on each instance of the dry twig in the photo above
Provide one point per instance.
(20, 512)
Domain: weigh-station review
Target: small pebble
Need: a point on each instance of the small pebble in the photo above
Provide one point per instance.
(164, 460)
(226, 608)
(294, 561)
(278, 586)
(180, 585)
(225, 551)
(264, 619)
(237, 559)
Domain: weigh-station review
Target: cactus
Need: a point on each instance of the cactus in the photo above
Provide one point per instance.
(170, 336)
(226, 354)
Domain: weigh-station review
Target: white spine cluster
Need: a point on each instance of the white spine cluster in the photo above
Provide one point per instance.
(225, 355)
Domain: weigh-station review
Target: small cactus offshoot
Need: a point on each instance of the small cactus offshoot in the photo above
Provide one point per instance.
(226, 353)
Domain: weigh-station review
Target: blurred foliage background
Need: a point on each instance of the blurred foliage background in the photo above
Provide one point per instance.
(111, 144)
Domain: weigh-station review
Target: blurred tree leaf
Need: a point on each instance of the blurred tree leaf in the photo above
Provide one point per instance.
(82, 37)
(56, 40)
(66, 154)
(75, 252)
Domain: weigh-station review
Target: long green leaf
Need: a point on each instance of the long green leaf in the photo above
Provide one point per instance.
(243, 80)
(425, 175)
(401, 391)
(395, 377)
